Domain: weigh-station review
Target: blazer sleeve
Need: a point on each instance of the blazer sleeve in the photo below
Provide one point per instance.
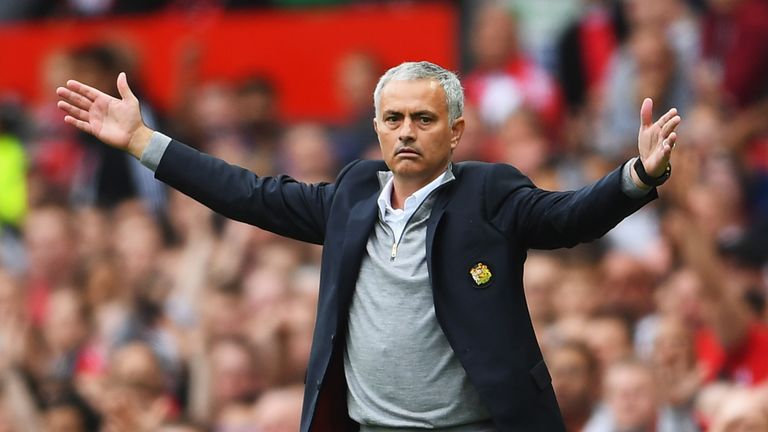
(278, 204)
(548, 220)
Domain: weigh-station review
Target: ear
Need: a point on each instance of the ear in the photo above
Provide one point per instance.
(457, 130)
(376, 129)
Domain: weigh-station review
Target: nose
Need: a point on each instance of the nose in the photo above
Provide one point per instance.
(407, 131)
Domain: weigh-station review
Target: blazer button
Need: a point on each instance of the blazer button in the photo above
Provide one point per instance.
(318, 384)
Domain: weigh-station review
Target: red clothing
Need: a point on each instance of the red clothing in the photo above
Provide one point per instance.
(598, 42)
(746, 364)
(537, 89)
(737, 43)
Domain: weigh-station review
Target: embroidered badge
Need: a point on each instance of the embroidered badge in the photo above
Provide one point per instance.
(481, 274)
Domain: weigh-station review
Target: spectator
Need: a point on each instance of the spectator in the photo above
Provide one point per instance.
(503, 78)
(575, 379)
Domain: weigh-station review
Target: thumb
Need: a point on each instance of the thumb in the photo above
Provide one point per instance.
(646, 112)
(122, 87)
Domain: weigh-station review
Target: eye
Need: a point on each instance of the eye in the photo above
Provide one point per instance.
(391, 119)
(425, 120)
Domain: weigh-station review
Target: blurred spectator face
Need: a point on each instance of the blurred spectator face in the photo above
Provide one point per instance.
(723, 6)
(308, 153)
(573, 377)
(703, 129)
(137, 241)
(630, 395)
(223, 313)
(523, 141)
(257, 104)
(279, 410)
(626, 285)
(6, 418)
(135, 373)
(673, 345)
(282, 256)
(608, 338)
(654, 61)
(214, 109)
(575, 295)
(10, 296)
(494, 39)
(299, 326)
(232, 372)
(186, 215)
(265, 288)
(474, 139)
(357, 77)
(539, 278)
(235, 417)
(740, 412)
(680, 296)
(65, 327)
(179, 427)
(92, 232)
(49, 243)
(656, 13)
(98, 66)
(63, 418)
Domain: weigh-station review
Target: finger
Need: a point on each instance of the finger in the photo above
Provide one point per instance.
(646, 112)
(123, 88)
(73, 111)
(672, 140)
(670, 126)
(85, 90)
(667, 116)
(73, 98)
(83, 126)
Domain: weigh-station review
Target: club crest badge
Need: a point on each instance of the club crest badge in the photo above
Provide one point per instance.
(481, 274)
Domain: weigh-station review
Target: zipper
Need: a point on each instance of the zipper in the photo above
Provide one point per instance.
(397, 241)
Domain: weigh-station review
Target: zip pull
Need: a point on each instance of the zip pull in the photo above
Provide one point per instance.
(394, 252)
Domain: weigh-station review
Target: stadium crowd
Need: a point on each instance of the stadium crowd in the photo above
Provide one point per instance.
(126, 306)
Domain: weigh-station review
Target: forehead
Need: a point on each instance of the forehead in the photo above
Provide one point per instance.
(413, 95)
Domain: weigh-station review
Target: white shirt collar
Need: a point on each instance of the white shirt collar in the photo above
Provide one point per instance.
(413, 201)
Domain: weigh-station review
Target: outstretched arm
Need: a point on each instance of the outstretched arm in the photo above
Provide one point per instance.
(116, 122)
(278, 204)
(556, 219)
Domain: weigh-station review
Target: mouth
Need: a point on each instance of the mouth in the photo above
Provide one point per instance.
(406, 151)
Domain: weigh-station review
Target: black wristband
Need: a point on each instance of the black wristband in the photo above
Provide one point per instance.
(651, 181)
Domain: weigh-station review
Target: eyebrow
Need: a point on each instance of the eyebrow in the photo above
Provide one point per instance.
(413, 114)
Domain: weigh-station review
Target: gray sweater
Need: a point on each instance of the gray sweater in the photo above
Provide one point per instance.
(401, 371)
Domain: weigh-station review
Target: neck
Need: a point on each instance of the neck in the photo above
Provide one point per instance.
(402, 188)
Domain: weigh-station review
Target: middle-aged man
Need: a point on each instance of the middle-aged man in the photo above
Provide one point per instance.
(422, 323)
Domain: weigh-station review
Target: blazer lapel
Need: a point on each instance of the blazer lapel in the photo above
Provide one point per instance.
(444, 195)
(363, 215)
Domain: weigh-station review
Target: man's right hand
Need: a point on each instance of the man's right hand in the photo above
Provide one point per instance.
(116, 122)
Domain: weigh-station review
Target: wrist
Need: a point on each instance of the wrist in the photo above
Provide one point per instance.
(139, 141)
(640, 175)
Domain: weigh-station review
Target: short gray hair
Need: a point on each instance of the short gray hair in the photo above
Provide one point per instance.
(423, 70)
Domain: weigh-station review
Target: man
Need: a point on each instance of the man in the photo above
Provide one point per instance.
(422, 321)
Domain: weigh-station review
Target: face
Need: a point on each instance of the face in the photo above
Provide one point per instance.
(572, 380)
(414, 132)
(630, 396)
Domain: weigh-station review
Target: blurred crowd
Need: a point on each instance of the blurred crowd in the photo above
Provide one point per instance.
(126, 306)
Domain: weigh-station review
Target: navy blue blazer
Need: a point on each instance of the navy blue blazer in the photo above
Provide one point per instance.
(491, 214)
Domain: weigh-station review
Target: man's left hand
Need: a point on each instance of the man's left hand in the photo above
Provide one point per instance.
(656, 140)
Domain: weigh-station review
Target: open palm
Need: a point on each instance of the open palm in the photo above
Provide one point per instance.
(111, 120)
(655, 140)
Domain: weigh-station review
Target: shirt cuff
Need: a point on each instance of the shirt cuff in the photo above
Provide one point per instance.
(628, 186)
(151, 156)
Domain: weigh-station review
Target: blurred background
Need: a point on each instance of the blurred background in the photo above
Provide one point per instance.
(125, 306)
